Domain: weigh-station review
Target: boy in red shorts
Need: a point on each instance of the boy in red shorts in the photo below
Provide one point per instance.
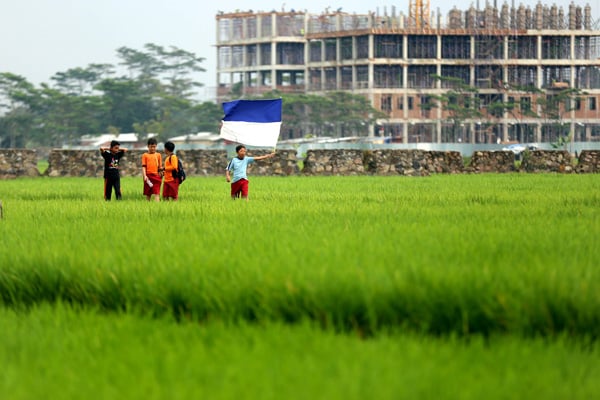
(239, 167)
(152, 171)
(171, 184)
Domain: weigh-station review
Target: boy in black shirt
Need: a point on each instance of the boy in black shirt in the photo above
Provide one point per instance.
(112, 179)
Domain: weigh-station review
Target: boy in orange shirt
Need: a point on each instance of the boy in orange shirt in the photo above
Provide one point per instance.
(171, 185)
(152, 171)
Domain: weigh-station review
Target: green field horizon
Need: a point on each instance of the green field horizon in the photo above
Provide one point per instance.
(476, 269)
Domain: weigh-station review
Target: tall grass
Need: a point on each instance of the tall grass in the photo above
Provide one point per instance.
(60, 353)
(478, 254)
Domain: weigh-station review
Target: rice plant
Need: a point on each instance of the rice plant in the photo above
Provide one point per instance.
(443, 255)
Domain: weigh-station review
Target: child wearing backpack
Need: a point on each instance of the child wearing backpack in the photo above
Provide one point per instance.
(171, 182)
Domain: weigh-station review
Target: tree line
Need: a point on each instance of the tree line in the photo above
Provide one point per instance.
(462, 103)
(153, 92)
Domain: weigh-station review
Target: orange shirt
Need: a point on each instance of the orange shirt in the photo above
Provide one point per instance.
(152, 162)
(170, 166)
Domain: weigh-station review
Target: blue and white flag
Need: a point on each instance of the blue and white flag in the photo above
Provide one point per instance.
(252, 122)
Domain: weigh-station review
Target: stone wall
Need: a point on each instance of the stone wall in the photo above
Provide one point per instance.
(196, 163)
(547, 161)
(334, 162)
(412, 162)
(203, 162)
(18, 162)
(491, 161)
(589, 161)
(90, 163)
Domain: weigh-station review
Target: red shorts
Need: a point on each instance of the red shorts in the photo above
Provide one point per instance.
(239, 188)
(155, 189)
(171, 189)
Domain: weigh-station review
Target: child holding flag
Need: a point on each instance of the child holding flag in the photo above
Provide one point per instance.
(238, 166)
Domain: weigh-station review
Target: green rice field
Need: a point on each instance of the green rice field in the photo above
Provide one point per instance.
(453, 286)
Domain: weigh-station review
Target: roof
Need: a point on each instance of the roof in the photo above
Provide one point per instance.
(103, 139)
(196, 137)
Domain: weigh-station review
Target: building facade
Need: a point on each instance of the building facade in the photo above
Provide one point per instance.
(523, 74)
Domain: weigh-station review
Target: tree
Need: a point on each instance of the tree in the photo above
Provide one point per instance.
(81, 81)
(139, 64)
(156, 95)
(126, 103)
(205, 117)
(14, 127)
(351, 114)
(177, 65)
(16, 95)
(552, 110)
(460, 103)
(171, 67)
(63, 118)
(176, 121)
(332, 114)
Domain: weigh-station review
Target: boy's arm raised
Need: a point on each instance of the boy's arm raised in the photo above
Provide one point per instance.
(265, 156)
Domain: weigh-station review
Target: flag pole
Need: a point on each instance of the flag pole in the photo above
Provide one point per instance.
(281, 118)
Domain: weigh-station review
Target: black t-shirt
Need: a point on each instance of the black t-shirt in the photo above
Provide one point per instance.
(111, 163)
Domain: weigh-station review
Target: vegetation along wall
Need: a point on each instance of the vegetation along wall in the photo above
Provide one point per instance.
(24, 163)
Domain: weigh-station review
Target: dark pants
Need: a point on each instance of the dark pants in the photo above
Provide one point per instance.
(109, 184)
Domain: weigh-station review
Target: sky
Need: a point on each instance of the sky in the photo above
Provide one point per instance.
(39, 38)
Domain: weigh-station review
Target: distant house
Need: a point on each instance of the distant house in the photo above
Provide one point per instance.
(197, 139)
(132, 141)
(127, 140)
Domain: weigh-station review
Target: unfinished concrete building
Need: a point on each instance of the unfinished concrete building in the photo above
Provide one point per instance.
(510, 65)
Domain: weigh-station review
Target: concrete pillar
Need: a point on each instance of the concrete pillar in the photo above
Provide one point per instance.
(371, 68)
(538, 132)
(273, 52)
(338, 59)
